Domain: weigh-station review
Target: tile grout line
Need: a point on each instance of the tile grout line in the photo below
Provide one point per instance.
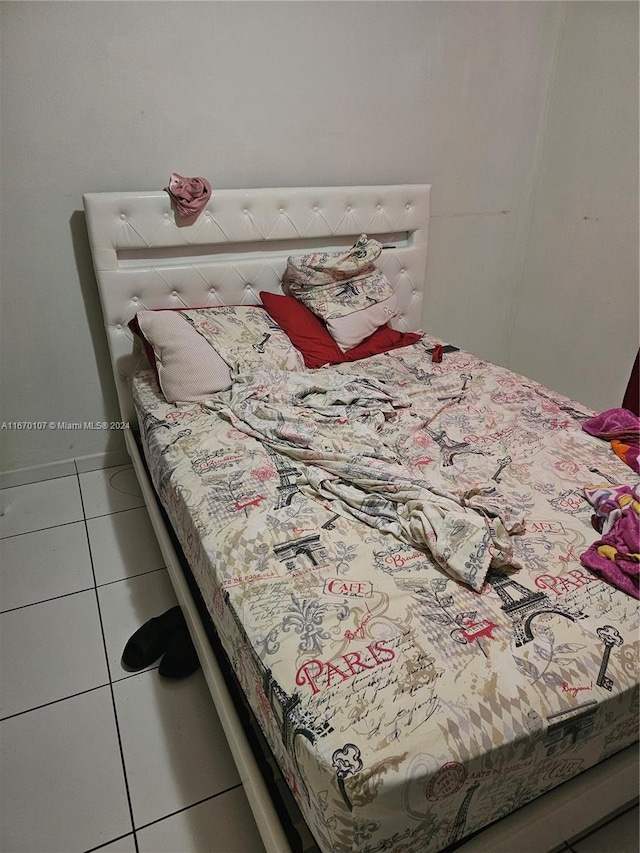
(131, 577)
(54, 702)
(106, 655)
(84, 589)
(115, 512)
(108, 843)
(166, 817)
(46, 480)
(77, 476)
(45, 600)
(151, 668)
(41, 529)
(190, 806)
(75, 473)
(67, 523)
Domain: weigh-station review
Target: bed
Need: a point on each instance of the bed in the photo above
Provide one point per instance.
(474, 688)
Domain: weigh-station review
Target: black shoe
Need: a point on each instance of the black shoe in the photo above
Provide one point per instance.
(180, 659)
(151, 640)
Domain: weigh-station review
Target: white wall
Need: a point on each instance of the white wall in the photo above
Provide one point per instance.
(115, 96)
(576, 312)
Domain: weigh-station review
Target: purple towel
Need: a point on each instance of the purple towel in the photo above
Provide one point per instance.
(615, 556)
(622, 428)
(620, 424)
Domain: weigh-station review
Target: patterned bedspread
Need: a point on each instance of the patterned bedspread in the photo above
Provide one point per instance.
(337, 522)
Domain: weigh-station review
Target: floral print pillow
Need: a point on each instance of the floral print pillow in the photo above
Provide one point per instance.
(246, 337)
(344, 289)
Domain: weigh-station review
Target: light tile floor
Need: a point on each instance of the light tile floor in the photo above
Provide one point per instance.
(91, 755)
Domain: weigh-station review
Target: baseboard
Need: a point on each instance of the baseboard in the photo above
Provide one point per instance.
(64, 468)
(102, 460)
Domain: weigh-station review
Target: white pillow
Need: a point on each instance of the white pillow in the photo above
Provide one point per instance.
(189, 368)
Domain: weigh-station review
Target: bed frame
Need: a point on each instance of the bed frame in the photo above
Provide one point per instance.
(144, 259)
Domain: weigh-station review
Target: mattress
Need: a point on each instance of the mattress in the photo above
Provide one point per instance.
(405, 708)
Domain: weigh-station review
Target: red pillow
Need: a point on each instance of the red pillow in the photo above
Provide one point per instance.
(134, 325)
(309, 334)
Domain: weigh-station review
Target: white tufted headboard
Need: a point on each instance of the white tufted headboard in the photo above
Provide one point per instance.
(239, 246)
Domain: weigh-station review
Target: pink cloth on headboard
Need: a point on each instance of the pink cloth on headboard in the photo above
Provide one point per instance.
(190, 195)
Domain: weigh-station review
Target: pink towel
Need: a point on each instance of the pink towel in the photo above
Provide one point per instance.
(190, 195)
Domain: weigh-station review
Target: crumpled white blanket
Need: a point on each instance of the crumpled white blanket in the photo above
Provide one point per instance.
(333, 422)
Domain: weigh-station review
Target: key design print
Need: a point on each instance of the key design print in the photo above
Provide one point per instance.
(259, 347)
(610, 637)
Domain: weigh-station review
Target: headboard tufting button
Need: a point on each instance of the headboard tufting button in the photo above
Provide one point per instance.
(123, 216)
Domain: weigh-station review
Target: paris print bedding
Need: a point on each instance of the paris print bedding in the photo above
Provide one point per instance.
(389, 550)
